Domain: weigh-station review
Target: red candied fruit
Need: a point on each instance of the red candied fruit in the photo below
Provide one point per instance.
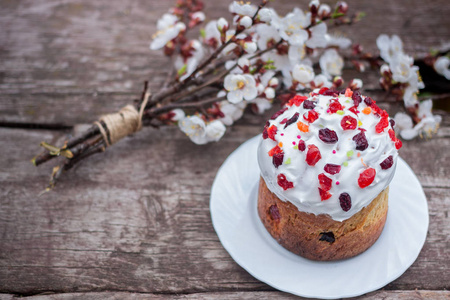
(275, 150)
(283, 121)
(345, 201)
(398, 144)
(354, 110)
(278, 113)
(335, 105)
(297, 100)
(313, 155)
(322, 90)
(331, 92)
(284, 183)
(324, 195)
(392, 135)
(387, 163)
(332, 169)
(274, 213)
(384, 122)
(301, 145)
(277, 159)
(366, 177)
(311, 116)
(271, 131)
(325, 182)
(307, 104)
(328, 136)
(348, 123)
(361, 141)
(292, 120)
(265, 134)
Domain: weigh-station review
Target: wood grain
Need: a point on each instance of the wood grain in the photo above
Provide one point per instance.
(134, 222)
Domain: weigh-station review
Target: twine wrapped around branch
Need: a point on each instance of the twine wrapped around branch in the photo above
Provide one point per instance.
(114, 127)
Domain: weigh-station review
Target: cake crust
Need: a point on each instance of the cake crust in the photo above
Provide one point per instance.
(319, 237)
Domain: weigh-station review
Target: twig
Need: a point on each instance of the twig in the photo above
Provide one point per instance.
(159, 110)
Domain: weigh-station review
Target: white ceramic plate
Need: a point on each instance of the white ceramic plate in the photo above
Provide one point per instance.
(235, 219)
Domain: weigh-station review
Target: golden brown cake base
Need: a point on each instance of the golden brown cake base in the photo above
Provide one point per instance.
(320, 237)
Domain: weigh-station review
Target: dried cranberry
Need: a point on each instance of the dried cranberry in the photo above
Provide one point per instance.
(292, 120)
(328, 136)
(366, 177)
(348, 123)
(332, 169)
(345, 201)
(311, 116)
(361, 141)
(356, 97)
(277, 159)
(392, 122)
(274, 213)
(335, 105)
(327, 237)
(283, 121)
(325, 182)
(313, 155)
(278, 113)
(387, 163)
(368, 101)
(331, 92)
(324, 195)
(297, 100)
(308, 104)
(284, 183)
(271, 131)
(301, 145)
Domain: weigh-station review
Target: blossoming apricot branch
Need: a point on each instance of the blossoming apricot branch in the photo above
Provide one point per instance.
(250, 61)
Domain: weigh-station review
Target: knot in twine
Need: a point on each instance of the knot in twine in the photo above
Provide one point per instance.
(125, 122)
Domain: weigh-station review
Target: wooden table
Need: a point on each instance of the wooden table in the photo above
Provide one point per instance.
(134, 223)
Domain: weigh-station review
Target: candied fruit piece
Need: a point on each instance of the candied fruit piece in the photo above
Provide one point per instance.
(311, 116)
(332, 169)
(322, 90)
(325, 182)
(366, 110)
(392, 122)
(354, 110)
(277, 159)
(348, 123)
(284, 121)
(271, 131)
(324, 195)
(284, 183)
(356, 97)
(328, 136)
(275, 150)
(398, 144)
(331, 92)
(366, 177)
(297, 100)
(361, 141)
(368, 101)
(274, 213)
(335, 105)
(302, 127)
(327, 237)
(313, 155)
(278, 113)
(345, 201)
(348, 93)
(308, 104)
(301, 145)
(264, 133)
(392, 135)
(292, 120)
(384, 122)
(387, 163)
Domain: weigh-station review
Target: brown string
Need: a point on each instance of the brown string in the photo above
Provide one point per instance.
(125, 122)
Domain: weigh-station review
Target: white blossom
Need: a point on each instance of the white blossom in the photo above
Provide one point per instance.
(303, 73)
(324, 10)
(240, 87)
(267, 34)
(214, 131)
(384, 69)
(168, 29)
(195, 128)
(242, 8)
(265, 15)
(178, 114)
(246, 21)
(322, 81)
(250, 47)
(389, 47)
(190, 63)
(402, 67)
(331, 63)
(231, 112)
(199, 16)
(427, 126)
(441, 65)
(292, 26)
(318, 36)
(356, 84)
(296, 53)
(262, 104)
(212, 34)
(222, 24)
(337, 41)
(269, 92)
(274, 82)
(412, 89)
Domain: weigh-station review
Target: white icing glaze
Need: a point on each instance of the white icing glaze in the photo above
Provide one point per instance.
(305, 193)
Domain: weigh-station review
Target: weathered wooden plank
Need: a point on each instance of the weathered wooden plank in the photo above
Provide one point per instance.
(138, 219)
(394, 295)
(61, 58)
